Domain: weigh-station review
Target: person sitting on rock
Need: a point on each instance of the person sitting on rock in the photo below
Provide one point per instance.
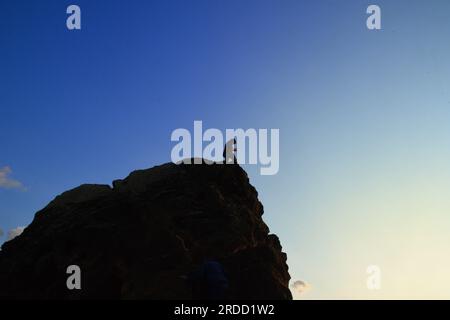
(229, 151)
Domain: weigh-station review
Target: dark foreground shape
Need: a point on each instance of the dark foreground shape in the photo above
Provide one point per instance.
(142, 238)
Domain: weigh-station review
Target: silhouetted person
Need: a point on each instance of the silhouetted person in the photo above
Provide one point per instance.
(229, 151)
(208, 281)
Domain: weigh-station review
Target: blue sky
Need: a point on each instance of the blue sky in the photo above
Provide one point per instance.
(363, 118)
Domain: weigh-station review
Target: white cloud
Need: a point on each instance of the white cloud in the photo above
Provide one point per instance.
(300, 287)
(15, 232)
(8, 183)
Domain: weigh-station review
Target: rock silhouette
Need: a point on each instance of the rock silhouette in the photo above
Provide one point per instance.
(142, 237)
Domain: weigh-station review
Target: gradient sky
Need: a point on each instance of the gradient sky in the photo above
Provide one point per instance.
(363, 116)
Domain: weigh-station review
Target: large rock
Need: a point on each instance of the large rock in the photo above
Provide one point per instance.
(141, 238)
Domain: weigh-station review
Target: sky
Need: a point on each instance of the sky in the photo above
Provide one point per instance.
(363, 116)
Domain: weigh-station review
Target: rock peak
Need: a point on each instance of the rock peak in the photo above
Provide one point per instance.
(142, 237)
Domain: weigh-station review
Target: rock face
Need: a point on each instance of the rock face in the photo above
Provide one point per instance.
(141, 238)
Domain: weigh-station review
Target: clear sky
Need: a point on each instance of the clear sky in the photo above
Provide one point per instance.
(363, 116)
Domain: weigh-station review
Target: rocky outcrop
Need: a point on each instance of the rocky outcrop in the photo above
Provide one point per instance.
(142, 237)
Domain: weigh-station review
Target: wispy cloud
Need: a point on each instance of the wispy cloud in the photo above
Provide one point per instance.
(15, 232)
(6, 182)
(300, 287)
